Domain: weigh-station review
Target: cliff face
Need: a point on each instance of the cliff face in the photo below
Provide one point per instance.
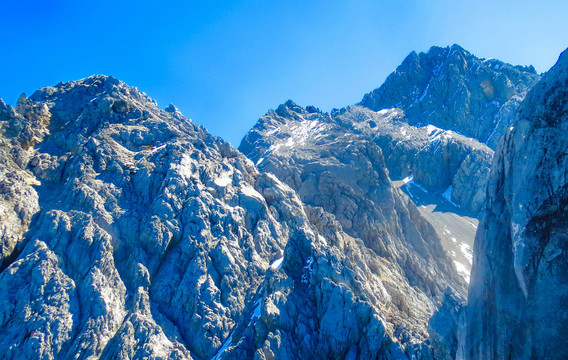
(437, 159)
(465, 103)
(336, 168)
(454, 90)
(518, 292)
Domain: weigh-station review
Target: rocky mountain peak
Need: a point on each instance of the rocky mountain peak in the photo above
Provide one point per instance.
(139, 227)
(335, 166)
(454, 90)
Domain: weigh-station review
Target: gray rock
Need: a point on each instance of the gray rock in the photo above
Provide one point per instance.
(20, 130)
(150, 237)
(454, 90)
(383, 262)
(436, 158)
(518, 292)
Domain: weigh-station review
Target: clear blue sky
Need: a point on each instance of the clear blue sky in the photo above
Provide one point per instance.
(224, 63)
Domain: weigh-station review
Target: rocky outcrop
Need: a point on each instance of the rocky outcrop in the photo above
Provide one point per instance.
(336, 168)
(454, 90)
(440, 161)
(20, 131)
(518, 292)
(150, 236)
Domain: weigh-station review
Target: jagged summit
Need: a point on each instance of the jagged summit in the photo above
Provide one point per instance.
(454, 90)
(334, 164)
(128, 231)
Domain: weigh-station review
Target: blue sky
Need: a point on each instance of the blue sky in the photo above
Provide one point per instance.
(225, 63)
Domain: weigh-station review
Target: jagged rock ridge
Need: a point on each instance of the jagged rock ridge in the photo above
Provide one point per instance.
(454, 90)
(152, 235)
(334, 166)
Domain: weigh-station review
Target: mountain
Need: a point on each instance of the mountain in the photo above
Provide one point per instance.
(518, 292)
(443, 171)
(454, 90)
(129, 232)
(465, 104)
(334, 166)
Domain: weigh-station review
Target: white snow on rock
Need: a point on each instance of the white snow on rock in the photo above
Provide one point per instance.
(251, 192)
(466, 251)
(277, 264)
(462, 270)
(224, 179)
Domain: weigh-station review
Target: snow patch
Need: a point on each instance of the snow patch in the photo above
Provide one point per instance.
(424, 93)
(157, 148)
(224, 179)
(277, 264)
(256, 313)
(462, 270)
(251, 192)
(431, 129)
(223, 348)
(408, 179)
(466, 251)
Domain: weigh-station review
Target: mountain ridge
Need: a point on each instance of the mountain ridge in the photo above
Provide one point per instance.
(128, 231)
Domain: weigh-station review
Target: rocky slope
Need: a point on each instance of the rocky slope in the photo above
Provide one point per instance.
(336, 167)
(150, 237)
(128, 232)
(454, 90)
(518, 292)
(440, 161)
(19, 202)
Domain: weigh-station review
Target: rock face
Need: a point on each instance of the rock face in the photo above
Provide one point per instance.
(464, 103)
(150, 236)
(452, 89)
(382, 248)
(438, 160)
(518, 292)
(19, 201)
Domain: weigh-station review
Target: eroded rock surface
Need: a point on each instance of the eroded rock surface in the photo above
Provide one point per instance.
(454, 90)
(131, 233)
(389, 258)
(440, 161)
(518, 292)
(152, 236)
